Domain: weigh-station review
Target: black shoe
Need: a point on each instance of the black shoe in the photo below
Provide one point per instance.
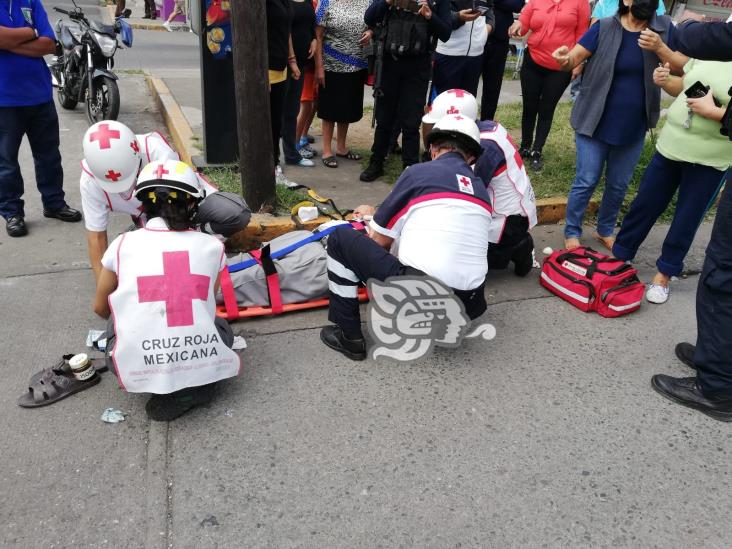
(537, 162)
(525, 152)
(15, 226)
(333, 337)
(374, 170)
(64, 214)
(686, 391)
(522, 257)
(174, 405)
(685, 353)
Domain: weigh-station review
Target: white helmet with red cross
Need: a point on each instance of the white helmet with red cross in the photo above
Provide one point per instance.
(452, 102)
(113, 156)
(459, 128)
(172, 175)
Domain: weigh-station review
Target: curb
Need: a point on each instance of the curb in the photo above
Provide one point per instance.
(265, 227)
(149, 26)
(175, 120)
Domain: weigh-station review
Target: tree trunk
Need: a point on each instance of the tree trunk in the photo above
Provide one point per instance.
(249, 45)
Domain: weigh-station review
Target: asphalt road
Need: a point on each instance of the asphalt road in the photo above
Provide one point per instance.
(548, 436)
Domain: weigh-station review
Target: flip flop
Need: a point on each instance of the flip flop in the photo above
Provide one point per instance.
(330, 162)
(606, 241)
(51, 387)
(572, 243)
(350, 155)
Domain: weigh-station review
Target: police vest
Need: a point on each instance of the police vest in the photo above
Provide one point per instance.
(407, 34)
(510, 188)
(164, 311)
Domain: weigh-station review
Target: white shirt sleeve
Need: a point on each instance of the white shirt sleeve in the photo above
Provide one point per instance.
(109, 259)
(93, 203)
(155, 147)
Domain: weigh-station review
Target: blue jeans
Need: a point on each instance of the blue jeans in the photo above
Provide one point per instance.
(698, 188)
(593, 155)
(40, 124)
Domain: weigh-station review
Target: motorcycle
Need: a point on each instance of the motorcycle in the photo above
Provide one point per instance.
(81, 70)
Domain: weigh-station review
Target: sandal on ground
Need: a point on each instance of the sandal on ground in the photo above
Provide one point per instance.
(174, 405)
(51, 387)
(330, 162)
(62, 367)
(606, 241)
(350, 155)
(572, 243)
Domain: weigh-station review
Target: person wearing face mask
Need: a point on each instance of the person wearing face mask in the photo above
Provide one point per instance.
(611, 115)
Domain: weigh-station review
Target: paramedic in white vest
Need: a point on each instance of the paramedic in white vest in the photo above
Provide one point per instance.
(157, 287)
(502, 169)
(113, 158)
(435, 221)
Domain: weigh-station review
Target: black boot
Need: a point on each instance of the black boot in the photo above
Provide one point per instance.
(522, 256)
(333, 337)
(374, 170)
(537, 162)
(685, 353)
(686, 391)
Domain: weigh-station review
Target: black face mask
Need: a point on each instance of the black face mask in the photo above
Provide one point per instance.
(642, 9)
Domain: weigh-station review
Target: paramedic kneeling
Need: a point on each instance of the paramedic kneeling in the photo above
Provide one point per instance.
(158, 285)
(436, 219)
(113, 158)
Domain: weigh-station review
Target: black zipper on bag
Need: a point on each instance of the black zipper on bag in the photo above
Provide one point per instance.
(631, 280)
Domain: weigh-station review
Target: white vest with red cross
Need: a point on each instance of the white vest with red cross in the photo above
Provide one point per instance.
(164, 311)
(510, 188)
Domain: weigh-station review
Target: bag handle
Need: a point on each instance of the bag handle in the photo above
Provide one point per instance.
(227, 291)
(264, 258)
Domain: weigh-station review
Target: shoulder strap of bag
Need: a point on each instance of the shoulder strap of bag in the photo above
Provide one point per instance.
(264, 258)
(227, 291)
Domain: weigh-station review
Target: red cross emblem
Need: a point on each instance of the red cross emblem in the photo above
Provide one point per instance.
(161, 171)
(457, 93)
(453, 110)
(465, 181)
(104, 135)
(135, 146)
(113, 176)
(177, 286)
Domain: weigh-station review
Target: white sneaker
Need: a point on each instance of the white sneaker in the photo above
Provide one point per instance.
(281, 179)
(657, 294)
(167, 26)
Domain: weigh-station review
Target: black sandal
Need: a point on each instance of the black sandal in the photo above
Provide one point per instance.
(350, 155)
(53, 385)
(330, 162)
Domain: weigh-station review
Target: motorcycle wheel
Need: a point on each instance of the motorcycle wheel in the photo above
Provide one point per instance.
(66, 101)
(102, 101)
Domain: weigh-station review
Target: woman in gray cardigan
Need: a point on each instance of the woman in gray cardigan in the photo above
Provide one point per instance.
(617, 104)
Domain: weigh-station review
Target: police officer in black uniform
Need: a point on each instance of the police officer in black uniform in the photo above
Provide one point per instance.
(410, 33)
(710, 391)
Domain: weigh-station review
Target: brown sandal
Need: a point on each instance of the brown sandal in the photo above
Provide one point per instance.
(52, 386)
(606, 241)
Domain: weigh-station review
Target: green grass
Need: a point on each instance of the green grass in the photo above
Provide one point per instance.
(228, 179)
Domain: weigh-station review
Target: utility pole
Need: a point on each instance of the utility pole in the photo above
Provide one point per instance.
(251, 85)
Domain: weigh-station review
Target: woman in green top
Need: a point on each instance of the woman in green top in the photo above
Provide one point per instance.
(691, 156)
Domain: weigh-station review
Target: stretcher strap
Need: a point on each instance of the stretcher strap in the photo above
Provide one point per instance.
(264, 258)
(227, 290)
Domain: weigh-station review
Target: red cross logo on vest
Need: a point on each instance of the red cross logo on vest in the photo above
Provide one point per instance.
(104, 135)
(135, 146)
(161, 171)
(177, 286)
(453, 110)
(113, 176)
(457, 93)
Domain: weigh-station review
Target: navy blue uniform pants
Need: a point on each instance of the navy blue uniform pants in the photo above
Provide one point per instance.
(713, 355)
(494, 65)
(353, 259)
(698, 187)
(404, 83)
(457, 72)
(40, 124)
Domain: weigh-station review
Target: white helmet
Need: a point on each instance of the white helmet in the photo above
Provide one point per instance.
(113, 156)
(172, 175)
(452, 102)
(460, 128)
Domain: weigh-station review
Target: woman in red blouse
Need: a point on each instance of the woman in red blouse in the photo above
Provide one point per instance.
(553, 23)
